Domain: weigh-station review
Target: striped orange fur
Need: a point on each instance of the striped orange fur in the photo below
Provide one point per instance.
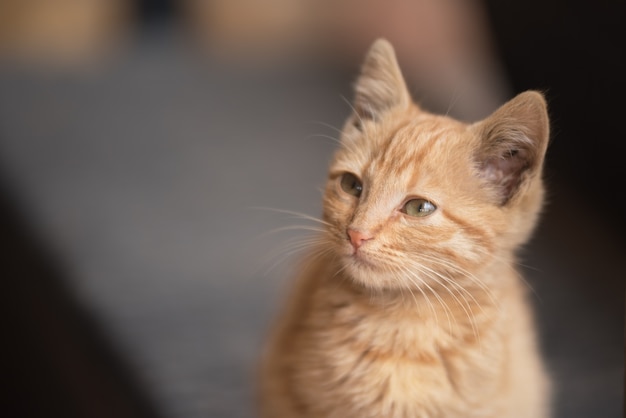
(411, 306)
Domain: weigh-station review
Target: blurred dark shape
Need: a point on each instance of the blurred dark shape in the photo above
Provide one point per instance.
(574, 51)
(156, 11)
(55, 362)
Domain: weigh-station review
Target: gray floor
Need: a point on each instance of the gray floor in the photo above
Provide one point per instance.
(147, 176)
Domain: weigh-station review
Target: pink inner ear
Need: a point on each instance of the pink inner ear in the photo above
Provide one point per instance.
(505, 172)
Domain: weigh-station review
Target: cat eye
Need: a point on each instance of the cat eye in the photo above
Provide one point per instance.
(351, 184)
(418, 207)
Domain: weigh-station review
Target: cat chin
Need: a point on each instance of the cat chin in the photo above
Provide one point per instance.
(369, 275)
(381, 279)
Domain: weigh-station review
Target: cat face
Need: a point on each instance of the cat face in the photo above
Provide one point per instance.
(419, 200)
(406, 203)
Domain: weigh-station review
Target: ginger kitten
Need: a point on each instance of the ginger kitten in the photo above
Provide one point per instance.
(412, 306)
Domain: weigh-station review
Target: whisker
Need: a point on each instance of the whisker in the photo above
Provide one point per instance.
(342, 268)
(511, 263)
(314, 244)
(463, 272)
(430, 305)
(530, 287)
(327, 125)
(435, 276)
(317, 237)
(332, 138)
(444, 305)
(308, 228)
(456, 94)
(293, 213)
(280, 256)
(353, 109)
(299, 241)
(415, 281)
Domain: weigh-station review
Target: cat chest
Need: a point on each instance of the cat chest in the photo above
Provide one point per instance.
(388, 368)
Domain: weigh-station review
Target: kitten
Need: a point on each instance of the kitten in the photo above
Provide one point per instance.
(411, 307)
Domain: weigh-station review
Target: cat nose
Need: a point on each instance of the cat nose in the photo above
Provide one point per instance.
(357, 238)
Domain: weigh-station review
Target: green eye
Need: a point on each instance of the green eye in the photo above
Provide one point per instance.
(351, 184)
(418, 207)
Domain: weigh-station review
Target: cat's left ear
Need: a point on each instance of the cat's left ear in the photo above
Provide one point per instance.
(380, 86)
(513, 144)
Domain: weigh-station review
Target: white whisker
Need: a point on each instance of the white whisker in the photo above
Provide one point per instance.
(446, 308)
(464, 273)
(293, 213)
(300, 246)
(446, 264)
(349, 103)
(327, 125)
(332, 138)
(291, 228)
(436, 276)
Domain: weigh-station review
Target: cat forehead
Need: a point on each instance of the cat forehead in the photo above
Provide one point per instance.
(399, 147)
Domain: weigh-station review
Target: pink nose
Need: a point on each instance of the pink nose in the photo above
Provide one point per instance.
(357, 238)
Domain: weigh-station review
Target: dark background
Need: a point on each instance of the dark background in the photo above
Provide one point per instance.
(69, 353)
(574, 53)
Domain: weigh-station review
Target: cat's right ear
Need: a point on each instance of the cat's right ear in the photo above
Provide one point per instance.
(381, 85)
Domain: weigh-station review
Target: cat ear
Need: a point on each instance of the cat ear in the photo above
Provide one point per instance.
(513, 144)
(380, 85)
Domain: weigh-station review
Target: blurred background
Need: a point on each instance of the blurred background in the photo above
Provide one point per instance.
(138, 140)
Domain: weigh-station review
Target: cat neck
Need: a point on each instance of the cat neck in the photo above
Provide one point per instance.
(455, 312)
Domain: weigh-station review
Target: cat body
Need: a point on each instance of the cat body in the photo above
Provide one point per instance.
(410, 305)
